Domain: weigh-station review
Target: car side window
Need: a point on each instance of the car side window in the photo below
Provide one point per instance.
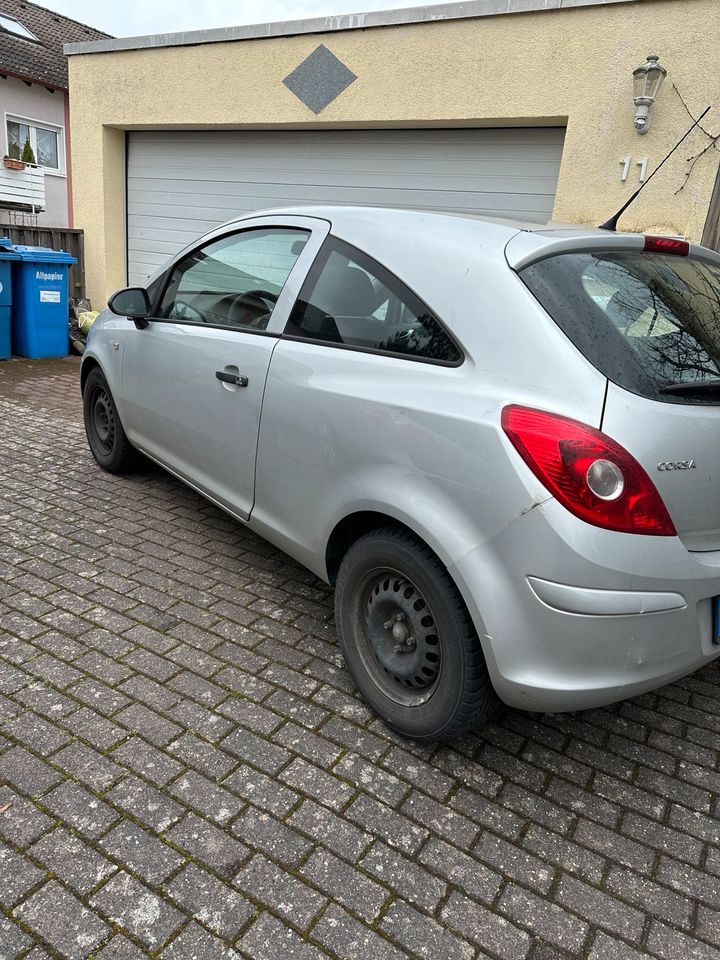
(234, 281)
(350, 300)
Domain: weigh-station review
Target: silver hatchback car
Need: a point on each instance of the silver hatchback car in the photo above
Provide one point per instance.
(498, 442)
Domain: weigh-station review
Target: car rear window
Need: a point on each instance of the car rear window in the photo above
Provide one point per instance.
(646, 321)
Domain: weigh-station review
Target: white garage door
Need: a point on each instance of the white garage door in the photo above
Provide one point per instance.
(183, 183)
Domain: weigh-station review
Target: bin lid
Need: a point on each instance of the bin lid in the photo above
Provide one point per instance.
(42, 255)
(7, 250)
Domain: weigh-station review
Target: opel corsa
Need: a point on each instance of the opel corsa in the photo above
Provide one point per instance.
(500, 443)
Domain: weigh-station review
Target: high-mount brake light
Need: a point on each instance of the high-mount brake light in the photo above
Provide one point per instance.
(589, 473)
(678, 248)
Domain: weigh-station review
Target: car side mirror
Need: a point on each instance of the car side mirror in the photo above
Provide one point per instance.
(132, 302)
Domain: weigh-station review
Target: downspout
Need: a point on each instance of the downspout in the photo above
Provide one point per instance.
(68, 161)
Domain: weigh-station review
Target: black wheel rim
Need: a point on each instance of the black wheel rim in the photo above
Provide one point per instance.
(399, 641)
(102, 421)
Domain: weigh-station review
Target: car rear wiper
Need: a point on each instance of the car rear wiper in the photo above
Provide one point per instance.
(692, 386)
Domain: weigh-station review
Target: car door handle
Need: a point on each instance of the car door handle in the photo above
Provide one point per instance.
(237, 380)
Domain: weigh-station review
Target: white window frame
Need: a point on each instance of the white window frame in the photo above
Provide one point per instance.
(24, 33)
(58, 171)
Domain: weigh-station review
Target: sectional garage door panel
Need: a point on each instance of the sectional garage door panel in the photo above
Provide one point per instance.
(183, 183)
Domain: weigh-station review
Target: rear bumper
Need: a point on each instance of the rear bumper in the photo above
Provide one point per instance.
(573, 617)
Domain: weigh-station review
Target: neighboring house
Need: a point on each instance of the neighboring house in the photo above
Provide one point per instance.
(34, 109)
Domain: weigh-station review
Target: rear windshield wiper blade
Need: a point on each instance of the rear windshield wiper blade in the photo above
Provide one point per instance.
(692, 386)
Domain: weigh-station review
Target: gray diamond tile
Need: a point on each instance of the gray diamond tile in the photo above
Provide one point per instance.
(319, 79)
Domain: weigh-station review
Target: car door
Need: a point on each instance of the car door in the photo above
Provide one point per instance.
(194, 375)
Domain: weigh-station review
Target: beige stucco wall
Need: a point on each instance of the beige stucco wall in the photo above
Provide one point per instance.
(569, 66)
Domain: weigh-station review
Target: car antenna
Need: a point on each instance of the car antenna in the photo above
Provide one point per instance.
(612, 223)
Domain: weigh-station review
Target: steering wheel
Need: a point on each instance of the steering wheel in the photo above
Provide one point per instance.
(248, 308)
(183, 311)
(265, 295)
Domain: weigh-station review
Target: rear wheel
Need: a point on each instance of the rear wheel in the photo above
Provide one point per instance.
(106, 437)
(407, 638)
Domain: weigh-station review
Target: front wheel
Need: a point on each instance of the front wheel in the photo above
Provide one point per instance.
(408, 640)
(106, 437)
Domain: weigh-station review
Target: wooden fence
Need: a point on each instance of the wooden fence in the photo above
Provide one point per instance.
(57, 238)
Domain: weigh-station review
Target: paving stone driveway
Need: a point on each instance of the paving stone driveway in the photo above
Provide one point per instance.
(186, 773)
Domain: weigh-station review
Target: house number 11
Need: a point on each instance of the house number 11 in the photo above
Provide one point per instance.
(627, 163)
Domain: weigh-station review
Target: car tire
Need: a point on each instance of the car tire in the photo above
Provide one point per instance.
(107, 439)
(408, 640)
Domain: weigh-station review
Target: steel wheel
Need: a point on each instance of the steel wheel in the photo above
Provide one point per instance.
(106, 437)
(103, 419)
(407, 638)
(402, 646)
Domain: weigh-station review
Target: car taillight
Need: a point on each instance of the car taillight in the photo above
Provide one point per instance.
(680, 248)
(590, 474)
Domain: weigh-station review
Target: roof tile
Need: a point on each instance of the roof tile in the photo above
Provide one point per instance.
(43, 62)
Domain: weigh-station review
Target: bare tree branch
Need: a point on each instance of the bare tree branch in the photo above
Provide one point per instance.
(693, 117)
(692, 161)
(714, 138)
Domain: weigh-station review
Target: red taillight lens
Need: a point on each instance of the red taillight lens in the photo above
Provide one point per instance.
(680, 248)
(590, 474)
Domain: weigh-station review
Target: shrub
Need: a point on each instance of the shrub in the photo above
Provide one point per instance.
(27, 155)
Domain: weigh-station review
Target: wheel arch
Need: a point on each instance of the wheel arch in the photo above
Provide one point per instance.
(88, 364)
(354, 525)
(350, 529)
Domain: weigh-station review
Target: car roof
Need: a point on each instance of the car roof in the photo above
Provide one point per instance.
(348, 214)
(528, 238)
(516, 243)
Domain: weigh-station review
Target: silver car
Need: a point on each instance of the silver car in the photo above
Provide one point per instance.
(500, 443)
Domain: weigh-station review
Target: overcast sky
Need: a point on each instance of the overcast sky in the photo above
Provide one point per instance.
(127, 18)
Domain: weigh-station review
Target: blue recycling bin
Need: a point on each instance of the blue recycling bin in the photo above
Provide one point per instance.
(7, 255)
(40, 302)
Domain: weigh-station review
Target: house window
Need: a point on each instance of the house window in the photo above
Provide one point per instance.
(11, 25)
(46, 142)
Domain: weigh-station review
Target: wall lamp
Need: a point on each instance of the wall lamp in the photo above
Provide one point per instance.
(647, 81)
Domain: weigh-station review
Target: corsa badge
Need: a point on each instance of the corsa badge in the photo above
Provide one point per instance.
(677, 465)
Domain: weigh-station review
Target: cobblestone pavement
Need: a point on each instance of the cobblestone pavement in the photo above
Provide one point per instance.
(186, 773)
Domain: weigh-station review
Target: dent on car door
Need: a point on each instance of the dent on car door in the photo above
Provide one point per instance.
(194, 377)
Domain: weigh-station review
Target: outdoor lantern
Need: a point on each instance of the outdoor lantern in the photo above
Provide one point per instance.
(647, 80)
